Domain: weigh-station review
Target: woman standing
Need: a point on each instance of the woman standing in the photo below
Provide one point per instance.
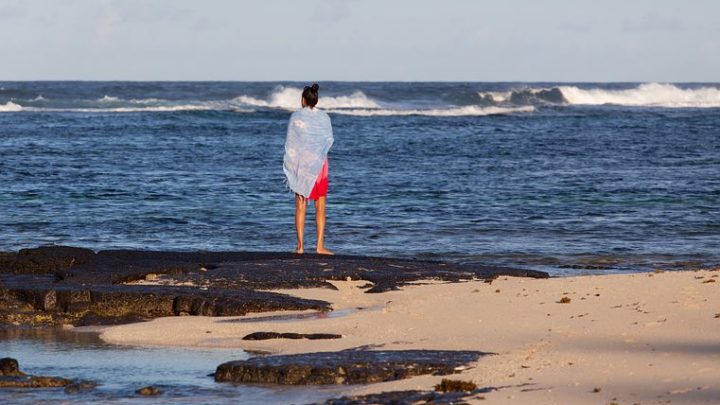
(309, 138)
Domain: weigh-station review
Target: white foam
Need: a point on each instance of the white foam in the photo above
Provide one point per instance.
(288, 98)
(439, 112)
(108, 99)
(10, 107)
(496, 96)
(169, 108)
(147, 101)
(39, 98)
(649, 94)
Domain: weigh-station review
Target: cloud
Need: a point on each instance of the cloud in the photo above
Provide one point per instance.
(574, 27)
(12, 9)
(652, 22)
(331, 11)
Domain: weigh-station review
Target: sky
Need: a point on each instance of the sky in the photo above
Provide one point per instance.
(361, 40)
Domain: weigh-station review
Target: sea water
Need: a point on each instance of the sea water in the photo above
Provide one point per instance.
(560, 177)
(183, 375)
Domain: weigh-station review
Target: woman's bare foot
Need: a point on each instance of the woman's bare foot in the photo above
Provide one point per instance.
(323, 251)
(299, 251)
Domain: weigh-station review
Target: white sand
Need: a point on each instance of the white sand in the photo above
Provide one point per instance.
(642, 338)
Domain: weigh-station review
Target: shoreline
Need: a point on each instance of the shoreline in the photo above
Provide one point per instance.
(631, 338)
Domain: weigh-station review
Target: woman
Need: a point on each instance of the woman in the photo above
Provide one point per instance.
(309, 138)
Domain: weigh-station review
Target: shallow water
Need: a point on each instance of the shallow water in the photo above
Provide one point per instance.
(569, 179)
(181, 373)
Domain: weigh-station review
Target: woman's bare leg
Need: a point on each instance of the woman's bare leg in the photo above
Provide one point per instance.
(300, 209)
(320, 222)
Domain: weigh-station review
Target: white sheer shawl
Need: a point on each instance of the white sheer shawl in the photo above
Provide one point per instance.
(309, 138)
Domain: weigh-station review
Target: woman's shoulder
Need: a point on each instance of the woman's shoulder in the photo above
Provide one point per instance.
(323, 114)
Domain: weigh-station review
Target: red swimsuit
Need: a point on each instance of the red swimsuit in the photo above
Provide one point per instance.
(321, 184)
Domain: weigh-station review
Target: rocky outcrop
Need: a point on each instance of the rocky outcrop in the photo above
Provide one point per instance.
(286, 335)
(12, 377)
(67, 285)
(410, 398)
(344, 367)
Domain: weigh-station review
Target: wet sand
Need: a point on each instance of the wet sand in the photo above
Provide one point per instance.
(636, 338)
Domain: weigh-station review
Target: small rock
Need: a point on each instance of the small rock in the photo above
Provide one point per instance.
(80, 386)
(564, 300)
(149, 391)
(10, 367)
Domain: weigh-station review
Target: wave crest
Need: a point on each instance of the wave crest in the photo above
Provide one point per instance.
(288, 98)
(10, 107)
(644, 95)
(650, 94)
(470, 110)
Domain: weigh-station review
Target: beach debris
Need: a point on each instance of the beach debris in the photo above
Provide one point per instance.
(447, 385)
(276, 335)
(564, 300)
(352, 366)
(717, 315)
(710, 280)
(149, 391)
(596, 390)
(497, 291)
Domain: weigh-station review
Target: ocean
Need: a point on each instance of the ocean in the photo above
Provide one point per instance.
(561, 177)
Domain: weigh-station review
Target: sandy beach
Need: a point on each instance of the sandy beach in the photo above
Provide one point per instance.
(626, 339)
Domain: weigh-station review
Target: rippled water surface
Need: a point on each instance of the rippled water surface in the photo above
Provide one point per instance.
(181, 373)
(612, 177)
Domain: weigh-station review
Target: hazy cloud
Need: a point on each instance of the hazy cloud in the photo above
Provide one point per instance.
(12, 9)
(331, 11)
(652, 22)
(577, 28)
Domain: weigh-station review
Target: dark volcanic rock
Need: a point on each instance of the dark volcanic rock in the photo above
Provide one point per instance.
(12, 377)
(9, 367)
(56, 285)
(31, 381)
(80, 386)
(409, 397)
(344, 367)
(276, 335)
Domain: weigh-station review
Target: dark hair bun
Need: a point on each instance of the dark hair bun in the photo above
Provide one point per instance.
(310, 94)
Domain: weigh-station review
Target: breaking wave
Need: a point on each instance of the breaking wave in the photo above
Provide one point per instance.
(359, 104)
(10, 107)
(436, 112)
(413, 102)
(288, 98)
(644, 95)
